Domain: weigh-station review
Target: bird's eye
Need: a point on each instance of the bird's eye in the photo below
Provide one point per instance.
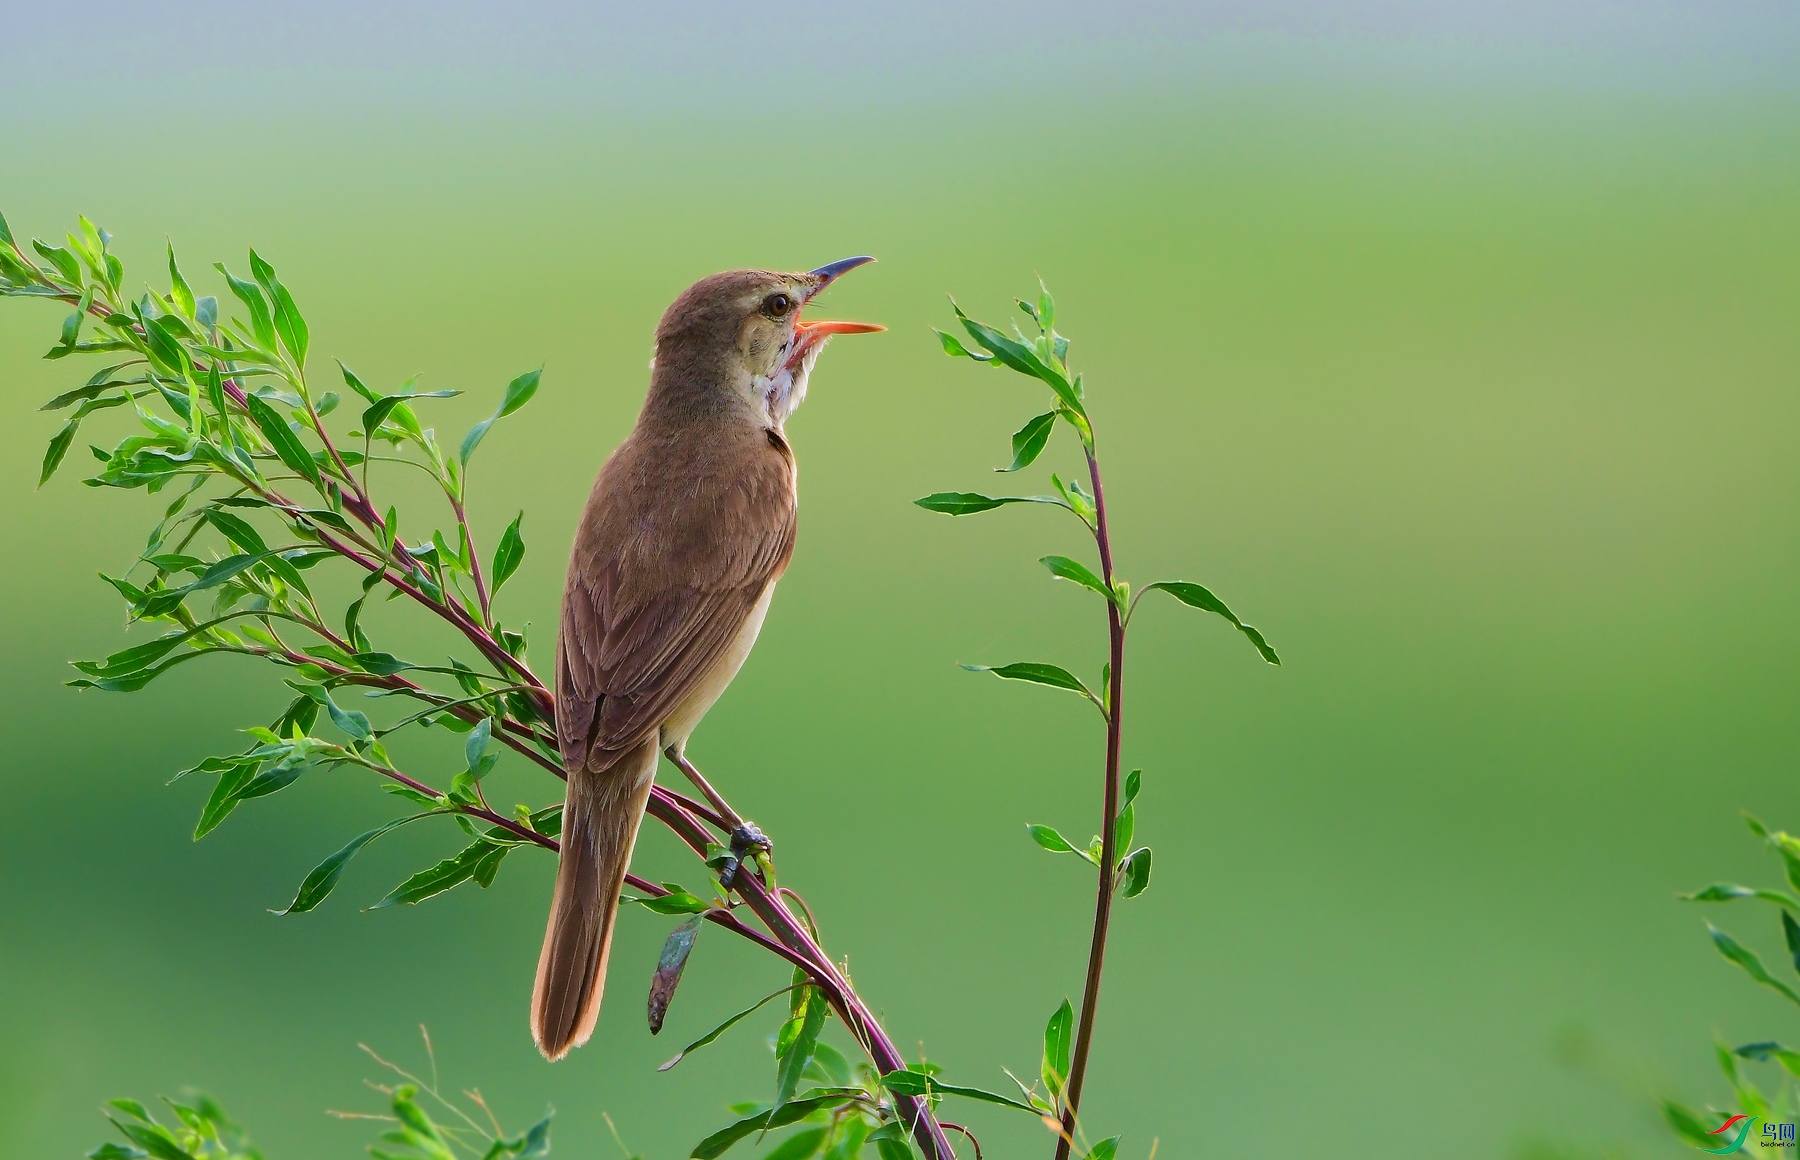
(776, 305)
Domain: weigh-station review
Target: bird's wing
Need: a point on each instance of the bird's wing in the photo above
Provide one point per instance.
(651, 605)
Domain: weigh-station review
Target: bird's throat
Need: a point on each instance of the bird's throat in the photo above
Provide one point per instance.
(780, 394)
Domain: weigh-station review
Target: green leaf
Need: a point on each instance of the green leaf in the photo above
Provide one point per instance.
(1106, 1149)
(282, 438)
(676, 902)
(59, 447)
(716, 1144)
(1051, 840)
(1746, 958)
(155, 1140)
(5, 231)
(1196, 596)
(1028, 442)
(1055, 1066)
(805, 1027)
(1687, 1124)
(63, 260)
(1791, 932)
(510, 552)
(800, 1145)
(965, 503)
(725, 1026)
(1133, 781)
(955, 349)
(476, 744)
(324, 877)
(676, 949)
(178, 287)
(131, 1108)
(478, 861)
(1036, 673)
(1124, 827)
(1786, 1057)
(110, 1151)
(1731, 891)
(1064, 568)
(917, 1083)
(224, 797)
(237, 530)
(385, 664)
(1134, 874)
(288, 322)
(262, 324)
(1023, 359)
(518, 393)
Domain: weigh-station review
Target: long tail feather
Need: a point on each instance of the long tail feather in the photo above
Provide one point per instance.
(601, 812)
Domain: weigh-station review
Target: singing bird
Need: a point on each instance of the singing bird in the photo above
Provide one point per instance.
(688, 528)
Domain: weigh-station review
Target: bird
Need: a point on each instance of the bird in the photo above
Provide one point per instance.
(687, 529)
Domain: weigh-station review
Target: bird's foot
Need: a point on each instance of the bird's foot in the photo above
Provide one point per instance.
(747, 837)
(746, 841)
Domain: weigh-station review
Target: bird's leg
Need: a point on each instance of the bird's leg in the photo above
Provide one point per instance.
(746, 839)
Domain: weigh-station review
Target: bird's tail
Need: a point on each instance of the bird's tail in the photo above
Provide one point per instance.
(601, 812)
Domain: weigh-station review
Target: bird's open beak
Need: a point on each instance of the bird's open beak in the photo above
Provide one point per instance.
(812, 332)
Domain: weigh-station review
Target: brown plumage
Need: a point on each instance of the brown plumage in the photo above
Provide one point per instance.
(688, 527)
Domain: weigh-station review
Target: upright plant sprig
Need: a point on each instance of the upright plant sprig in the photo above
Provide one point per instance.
(1042, 354)
(229, 420)
(1783, 1104)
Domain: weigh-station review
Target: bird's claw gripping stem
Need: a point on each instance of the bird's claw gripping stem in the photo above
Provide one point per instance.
(745, 839)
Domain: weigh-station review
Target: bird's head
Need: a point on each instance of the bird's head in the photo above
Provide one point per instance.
(738, 339)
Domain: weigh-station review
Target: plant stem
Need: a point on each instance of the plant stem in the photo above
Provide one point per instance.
(1109, 854)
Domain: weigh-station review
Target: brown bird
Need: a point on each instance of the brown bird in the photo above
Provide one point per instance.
(688, 528)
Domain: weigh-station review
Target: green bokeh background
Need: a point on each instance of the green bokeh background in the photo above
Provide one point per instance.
(1478, 398)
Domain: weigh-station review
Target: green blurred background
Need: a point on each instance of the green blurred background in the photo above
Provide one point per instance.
(1456, 347)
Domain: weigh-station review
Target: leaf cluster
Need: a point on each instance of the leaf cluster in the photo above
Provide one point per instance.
(1749, 1098)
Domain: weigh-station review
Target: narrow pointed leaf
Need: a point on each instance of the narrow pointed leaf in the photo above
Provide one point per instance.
(1106, 1149)
(1028, 442)
(1023, 359)
(178, 287)
(1197, 596)
(1036, 673)
(477, 861)
(964, 503)
(1076, 572)
(724, 1027)
(676, 949)
(58, 448)
(510, 552)
(262, 323)
(1055, 1066)
(1731, 891)
(917, 1083)
(955, 349)
(791, 1064)
(324, 877)
(288, 322)
(719, 1142)
(1051, 840)
(1746, 959)
(281, 437)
